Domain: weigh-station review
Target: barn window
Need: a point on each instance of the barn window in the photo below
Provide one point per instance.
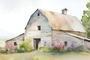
(65, 43)
(39, 27)
(15, 43)
(38, 14)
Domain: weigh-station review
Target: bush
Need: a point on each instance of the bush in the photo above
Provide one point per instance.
(20, 50)
(25, 47)
(58, 45)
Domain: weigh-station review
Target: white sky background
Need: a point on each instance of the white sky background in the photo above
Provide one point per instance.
(14, 14)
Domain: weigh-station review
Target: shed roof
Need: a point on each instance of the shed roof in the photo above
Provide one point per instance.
(77, 36)
(15, 37)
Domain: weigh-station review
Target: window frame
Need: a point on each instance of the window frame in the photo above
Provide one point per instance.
(15, 43)
(38, 14)
(39, 27)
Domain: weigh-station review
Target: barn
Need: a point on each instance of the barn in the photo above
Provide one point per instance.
(52, 29)
(14, 43)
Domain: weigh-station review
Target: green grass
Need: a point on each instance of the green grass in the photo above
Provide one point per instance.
(38, 55)
(62, 56)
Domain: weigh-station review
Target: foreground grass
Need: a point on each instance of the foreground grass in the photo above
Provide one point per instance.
(63, 56)
(37, 55)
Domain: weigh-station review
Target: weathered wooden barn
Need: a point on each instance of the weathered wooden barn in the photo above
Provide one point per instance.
(13, 44)
(52, 29)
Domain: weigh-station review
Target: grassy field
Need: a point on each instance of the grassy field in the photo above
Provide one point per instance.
(37, 55)
(63, 56)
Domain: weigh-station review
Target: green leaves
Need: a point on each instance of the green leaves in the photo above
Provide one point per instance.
(86, 19)
(26, 46)
(88, 5)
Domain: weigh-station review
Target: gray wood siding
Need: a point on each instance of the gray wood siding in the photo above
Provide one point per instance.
(62, 36)
(33, 32)
(38, 21)
(10, 43)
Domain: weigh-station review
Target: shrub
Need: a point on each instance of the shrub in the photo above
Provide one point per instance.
(25, 47)
(20, 50)
(58, 45)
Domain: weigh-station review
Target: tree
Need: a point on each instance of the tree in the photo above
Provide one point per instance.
(86, 19)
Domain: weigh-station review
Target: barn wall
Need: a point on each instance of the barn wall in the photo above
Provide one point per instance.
(10, 43)
(33, 32)
(87, 44)
(72, 42)
(45, 41)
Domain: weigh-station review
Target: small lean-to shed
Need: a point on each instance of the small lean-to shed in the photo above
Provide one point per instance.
(13, 44)
(52, 29)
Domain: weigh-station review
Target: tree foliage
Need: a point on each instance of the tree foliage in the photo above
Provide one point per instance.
(86, 19)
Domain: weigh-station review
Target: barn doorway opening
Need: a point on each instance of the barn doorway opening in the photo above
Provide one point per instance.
(36, 43)
(65, 43)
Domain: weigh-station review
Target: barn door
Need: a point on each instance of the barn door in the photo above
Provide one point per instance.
(36, 42)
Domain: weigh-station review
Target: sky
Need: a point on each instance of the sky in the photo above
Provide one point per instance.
(14, 14)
